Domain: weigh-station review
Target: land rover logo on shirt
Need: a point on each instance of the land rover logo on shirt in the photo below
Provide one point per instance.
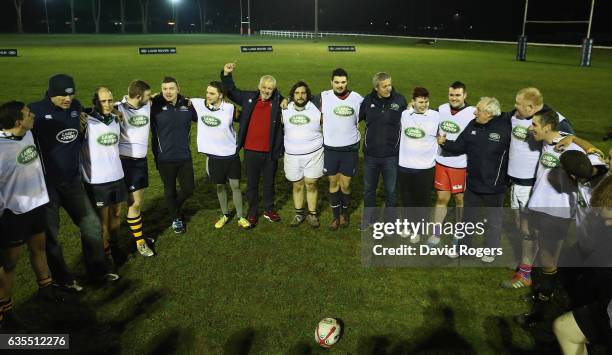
(138, 121)
(345, 111)
(450, 127)
(550, 160)
(211, 121)
(27, 155)
(299, 120)
(109, 138)
(494, 137)
(68, 135)
(395, 107)
(74, 114)
(520, 132)
(414, 132)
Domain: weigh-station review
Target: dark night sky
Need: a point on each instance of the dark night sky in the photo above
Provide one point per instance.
(484, 19)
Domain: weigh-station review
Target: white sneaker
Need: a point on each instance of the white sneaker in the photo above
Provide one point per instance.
(415, 238)
(404, 233)
(488, 259)
(433, 240)
(452, 254)
(111, 277)
(144, 250)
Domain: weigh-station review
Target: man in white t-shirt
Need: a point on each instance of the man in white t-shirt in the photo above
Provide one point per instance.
(23, 195)
(522, 164)
(450, 169)
(101, 167)
(553, 200)
(217, 139)
(340, 108)
(303, 152)
(133, 147)
(417, 157)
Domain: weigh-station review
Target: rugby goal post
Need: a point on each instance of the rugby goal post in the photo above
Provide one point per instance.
(245, 22)
(587, 42)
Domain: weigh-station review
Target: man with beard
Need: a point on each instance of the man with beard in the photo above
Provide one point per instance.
(340, 108)
(303, 152)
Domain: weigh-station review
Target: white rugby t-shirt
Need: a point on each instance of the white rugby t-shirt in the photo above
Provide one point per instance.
(418, 143)
(100, 161)
(452, 126)
(216, 134)
(135, 127)
(340, 119)
(22, 182)
(553, 192)
(524, 149)
(303, 133)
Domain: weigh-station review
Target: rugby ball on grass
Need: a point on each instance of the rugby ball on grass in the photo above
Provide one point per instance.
(327, 332)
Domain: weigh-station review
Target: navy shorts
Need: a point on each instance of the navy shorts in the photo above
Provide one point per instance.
(16, 229)
(136, 171)
(107, 194)
(220, 170)
(343, 162)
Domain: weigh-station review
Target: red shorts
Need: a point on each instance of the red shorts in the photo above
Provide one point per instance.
(449, 179)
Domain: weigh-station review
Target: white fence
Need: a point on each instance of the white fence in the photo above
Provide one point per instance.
(290, 34)
(301, 34)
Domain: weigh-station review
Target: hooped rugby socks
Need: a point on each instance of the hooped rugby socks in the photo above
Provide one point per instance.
(45, 282)
(525, 271)
(6, 304)
(135, 225)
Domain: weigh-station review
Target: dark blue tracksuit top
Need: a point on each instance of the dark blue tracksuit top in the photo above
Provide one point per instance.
(58, 138)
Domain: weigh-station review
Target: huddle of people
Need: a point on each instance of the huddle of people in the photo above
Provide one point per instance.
(55, 153)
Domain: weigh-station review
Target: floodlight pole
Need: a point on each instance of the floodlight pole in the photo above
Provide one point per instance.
(47, 18)
(587, 43)
(316, 29)
(175, 28)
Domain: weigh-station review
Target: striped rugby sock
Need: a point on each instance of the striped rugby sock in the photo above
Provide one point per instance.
(45, 282)
(135, 225)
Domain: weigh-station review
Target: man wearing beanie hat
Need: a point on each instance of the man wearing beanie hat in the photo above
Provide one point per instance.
(58, 135)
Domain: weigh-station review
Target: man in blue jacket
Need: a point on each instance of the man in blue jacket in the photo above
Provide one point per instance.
(261, 136)
(171, 118)
(486, 141)
(58, 136)
(382, 112)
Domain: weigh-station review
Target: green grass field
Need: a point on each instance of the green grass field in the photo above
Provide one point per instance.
(263, 291)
